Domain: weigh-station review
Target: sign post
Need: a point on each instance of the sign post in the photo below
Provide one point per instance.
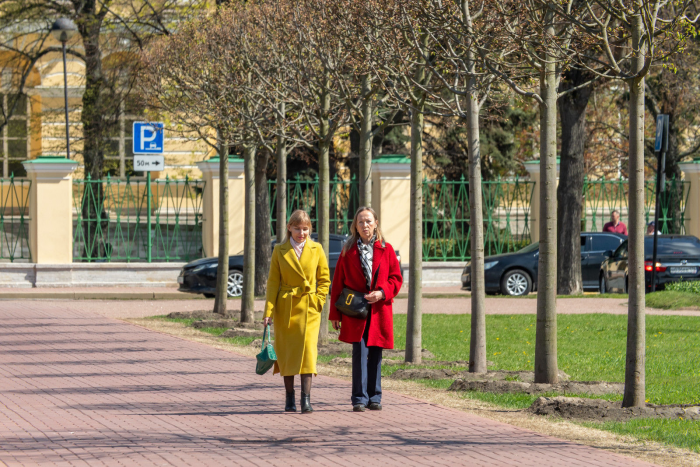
(148, 156)
(660, 147)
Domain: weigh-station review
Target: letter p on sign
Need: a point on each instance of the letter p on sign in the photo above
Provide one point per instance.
(148, 137)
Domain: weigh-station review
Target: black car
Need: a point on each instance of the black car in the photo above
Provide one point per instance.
(677, 259)
(200, 276)
(516, 273)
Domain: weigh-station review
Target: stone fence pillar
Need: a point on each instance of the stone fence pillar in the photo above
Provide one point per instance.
(533, 169)
(692, 206)
(391, 199)
(211, 205)
(51, 209)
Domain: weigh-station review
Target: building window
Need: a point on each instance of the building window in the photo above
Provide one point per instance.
(15, 136)
(119, 154)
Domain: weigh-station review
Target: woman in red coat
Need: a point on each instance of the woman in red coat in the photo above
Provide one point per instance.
(368, 265)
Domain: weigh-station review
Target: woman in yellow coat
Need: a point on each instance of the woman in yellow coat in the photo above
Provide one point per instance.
(296, 291)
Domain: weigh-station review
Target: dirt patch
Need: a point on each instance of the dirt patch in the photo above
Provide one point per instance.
(242, 332)
(595, 388)
(575, 408)
(215, 323)
(459, 364)
(206, 314)
(462, 374)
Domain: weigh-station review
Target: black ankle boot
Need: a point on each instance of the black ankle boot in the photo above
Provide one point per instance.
(306, 403)
(290, 406)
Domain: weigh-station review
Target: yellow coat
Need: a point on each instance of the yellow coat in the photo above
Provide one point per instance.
(296, 291)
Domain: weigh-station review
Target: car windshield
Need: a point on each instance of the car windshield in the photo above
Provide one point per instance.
(530, 248)
(689, 246)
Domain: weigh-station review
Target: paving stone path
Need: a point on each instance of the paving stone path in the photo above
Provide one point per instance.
(80, 389)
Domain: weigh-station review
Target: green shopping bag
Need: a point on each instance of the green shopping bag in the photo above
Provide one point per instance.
(267, 356)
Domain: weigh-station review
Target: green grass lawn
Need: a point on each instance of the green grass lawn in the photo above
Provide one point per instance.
(673, 300)
(590, 347)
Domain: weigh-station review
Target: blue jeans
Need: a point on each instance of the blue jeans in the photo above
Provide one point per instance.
(366, 371)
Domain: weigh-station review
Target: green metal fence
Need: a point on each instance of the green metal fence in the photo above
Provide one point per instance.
(446, 217)
(14, 219)
(303, 194)
(506, 211)
(601, 197)
(112, 221)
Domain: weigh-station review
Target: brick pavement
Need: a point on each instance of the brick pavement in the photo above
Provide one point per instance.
(80, 389)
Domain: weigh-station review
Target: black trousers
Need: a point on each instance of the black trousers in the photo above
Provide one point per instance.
(366, 371)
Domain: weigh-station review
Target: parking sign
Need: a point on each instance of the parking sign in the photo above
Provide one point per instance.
(661, 141)
(148, 137)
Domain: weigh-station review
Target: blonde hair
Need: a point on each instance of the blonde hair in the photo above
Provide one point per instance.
(298, 217)
(355, 235)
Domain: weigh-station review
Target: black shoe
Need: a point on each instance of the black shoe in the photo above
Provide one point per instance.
(290, 406)
(358, 408)
(306, 403)
(375, 406)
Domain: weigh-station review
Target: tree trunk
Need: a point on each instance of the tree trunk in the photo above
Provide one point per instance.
(92, 113)
(91, 117)
(281, 183)
(221, 295)
(366, 144)
(415, 253)
(477, 342)
(572, 110)
(324, 200)
(248, 297)
(546, 335)
(634, 363)
(263, 235)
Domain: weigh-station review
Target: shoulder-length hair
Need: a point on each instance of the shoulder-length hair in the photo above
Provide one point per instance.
(298, 217)
(355, 234)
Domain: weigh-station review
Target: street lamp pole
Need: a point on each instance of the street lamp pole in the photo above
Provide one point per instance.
(63, 29)
(65, 99)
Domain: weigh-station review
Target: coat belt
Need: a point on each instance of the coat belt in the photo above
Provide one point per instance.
(288, 293)
(296, 291)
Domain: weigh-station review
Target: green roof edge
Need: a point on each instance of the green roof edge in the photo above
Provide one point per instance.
(231, 158)
(50, 160)
(392, 159)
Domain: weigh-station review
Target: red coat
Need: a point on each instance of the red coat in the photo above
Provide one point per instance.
(386, 271)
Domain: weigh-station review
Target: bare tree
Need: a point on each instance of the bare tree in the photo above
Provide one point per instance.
(458, 31)
(303, 34)
(633, 35)
(404, 64)
(187, 79)
(541, 41)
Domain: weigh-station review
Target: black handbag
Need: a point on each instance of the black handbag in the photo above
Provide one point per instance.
(353, 304)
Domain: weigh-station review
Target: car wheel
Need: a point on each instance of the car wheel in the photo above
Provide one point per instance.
(235, 283)
(626, 289)
(516, 283)
(603, 287)
(209, 295)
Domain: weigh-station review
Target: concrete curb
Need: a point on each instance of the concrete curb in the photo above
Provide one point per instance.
(23, 294)
(70, 295)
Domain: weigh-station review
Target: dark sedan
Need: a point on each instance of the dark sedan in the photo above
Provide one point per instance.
(677, 259)
(200, 276)
(516, 273)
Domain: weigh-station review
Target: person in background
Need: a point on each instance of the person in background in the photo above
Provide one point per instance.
(650, 228)
(615, 226)
(296, 291)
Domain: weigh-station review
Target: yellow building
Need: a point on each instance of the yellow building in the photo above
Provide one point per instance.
(37, 125)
